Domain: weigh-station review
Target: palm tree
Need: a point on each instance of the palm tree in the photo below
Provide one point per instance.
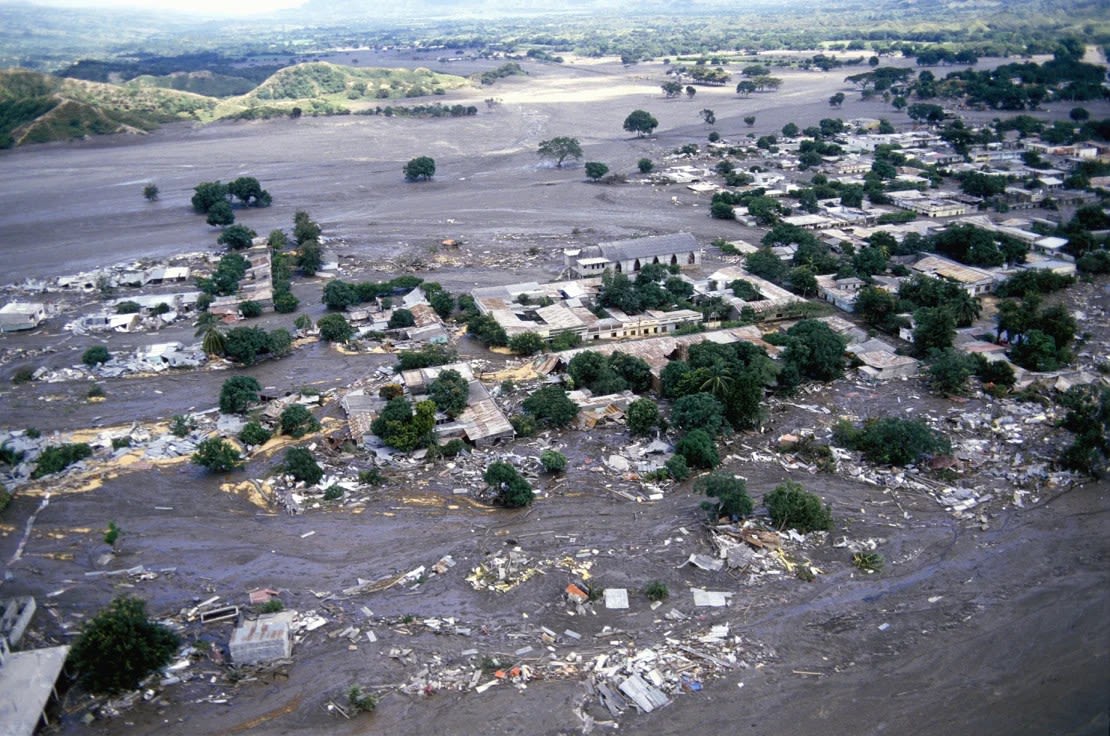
(966, 308)
(215, 342)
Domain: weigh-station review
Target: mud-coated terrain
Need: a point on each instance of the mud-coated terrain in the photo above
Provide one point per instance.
(996, 622)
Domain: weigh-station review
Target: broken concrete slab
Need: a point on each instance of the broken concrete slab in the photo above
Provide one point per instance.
(616, 598)
(710, 598)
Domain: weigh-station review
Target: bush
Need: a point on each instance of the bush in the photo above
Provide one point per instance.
(217, 455)
(111, 534)
(274, 605)
(868, 562)
(553, 462)
(400, 318)
(656, 591)
(128, 307)
(23, 375)
(180, 425)
(250, 309)
(120, 442)
(523, 424)
(361, 702)
(890, 440)
(96, 391)
(371, 477)
(731, 494)
(238, 393)
(404, 429)
(254, 434)
(297, 421)
(333, 493)
(96, 355)
(120, 646)
(513, 491)
(300, 464)
(56, 458)
(790, 506)
(677, 468)
(450, 392)
(285, 302)
(429, 356)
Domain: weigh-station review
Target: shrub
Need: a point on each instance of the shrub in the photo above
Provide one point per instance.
(120, 442)
(120, 646)
(96, 391)
(23, 375)
(450, 392)
(217, 455)
(523, 424)
(731, 494)
(285, 302)
(891, 441)
(56, 458)
(361, 702)
(677, 468)
(111, 534)
(300, 464)
(513, 491)
(274, 605)
(96, 355)
(128, 307)
(250, 309)
(429, 356)
(180, 425)
(526, 343)
(333, 493)
(868, 562)
(791, 506)
(452, 448)
(553, 461)
(297, 421)
(371, 477)
(656, 591)
(401, 318)
(238, 393)
(254, 434)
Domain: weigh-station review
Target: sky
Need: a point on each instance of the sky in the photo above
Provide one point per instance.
(205, 7)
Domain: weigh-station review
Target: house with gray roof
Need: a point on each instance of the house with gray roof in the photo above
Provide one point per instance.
(629, 256)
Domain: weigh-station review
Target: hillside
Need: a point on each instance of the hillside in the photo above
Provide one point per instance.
(37, 108)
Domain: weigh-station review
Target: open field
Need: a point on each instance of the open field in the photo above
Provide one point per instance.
(1002, 630)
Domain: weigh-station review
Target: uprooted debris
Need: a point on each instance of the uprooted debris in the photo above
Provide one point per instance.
(501, 573)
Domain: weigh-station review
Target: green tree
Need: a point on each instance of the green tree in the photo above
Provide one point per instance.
(560, 148)
(217, 455)
(208, 193)
(56, 458)
(642, 416)
(877, 307)
(335, 328)
(120, 646)
(640, 122)
(339, 294)
(220, 215)
(698, 411)
(421, 168)
(749, 120)
(485, 329)
(645, 165)
(934, 329)
(698, 450)
(236, 237)
(891, 440)
(310, 258)
(949, 370)
(150, 191)
(400, 318)
(128, 307)
(791, 130)
(595, 170)
(300, 464)
(248, 191)
(96, 355)
(551, 407)
(449, 391)
(722, 211)
(238, 393)
(837, 100)
(245, 344)
(285, 302)
(553, 461)
(513, 491)
(250, 309)
(731, 493)
(297, 421)
(791, 507)
(404, 429)
(526, 343)
(814, 351)
(304, 228)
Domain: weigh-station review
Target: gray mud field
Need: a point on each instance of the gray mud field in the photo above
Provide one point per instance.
(995, 625)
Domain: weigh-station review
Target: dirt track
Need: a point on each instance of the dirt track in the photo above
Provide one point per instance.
(1016, 642)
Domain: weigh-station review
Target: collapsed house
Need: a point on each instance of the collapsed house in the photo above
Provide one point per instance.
(19, 316)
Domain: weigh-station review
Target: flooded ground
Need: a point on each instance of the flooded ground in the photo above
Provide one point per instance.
(993, 627)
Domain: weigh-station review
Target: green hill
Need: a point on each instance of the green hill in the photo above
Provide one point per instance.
(37, 108)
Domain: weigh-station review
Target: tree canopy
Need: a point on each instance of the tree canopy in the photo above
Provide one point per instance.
(640, 122)
(120, 646)
(421, 168)
(560, 148)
